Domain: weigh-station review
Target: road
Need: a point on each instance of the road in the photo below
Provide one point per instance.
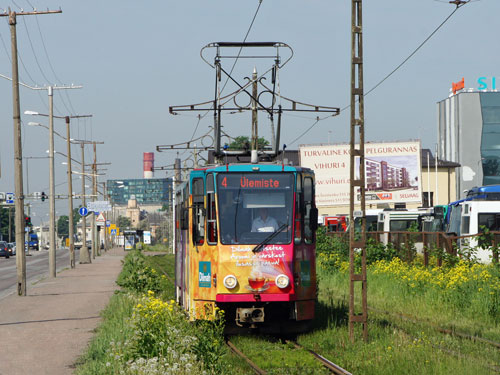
(37, 267)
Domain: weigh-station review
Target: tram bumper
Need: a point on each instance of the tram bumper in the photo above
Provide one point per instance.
(249, 315)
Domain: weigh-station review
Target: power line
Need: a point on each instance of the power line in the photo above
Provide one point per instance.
(393, 71)
(234, 64)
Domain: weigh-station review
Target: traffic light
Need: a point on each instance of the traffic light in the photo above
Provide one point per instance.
(44, 196)
(27, 220)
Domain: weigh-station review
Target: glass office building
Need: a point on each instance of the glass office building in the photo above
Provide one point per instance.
(469, 134)
(147, 191)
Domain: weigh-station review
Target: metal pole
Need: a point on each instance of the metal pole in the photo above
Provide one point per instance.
(94, 193)
(84, 251)
(18, 163)
(357, 241)
(52, 200)
(71, 234)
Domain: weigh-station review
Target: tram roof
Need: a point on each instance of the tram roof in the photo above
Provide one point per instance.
(251, 167)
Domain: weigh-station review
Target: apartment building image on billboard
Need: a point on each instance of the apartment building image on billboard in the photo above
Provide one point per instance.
(381, 175)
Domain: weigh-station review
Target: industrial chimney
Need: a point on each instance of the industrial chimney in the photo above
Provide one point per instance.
(148, 164)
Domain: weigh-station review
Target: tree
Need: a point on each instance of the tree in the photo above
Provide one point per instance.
(123, 222)
(243, 143)
(4, 223)
(63, 226)
(144, 224)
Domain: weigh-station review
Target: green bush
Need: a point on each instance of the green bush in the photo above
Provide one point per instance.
(137, 276)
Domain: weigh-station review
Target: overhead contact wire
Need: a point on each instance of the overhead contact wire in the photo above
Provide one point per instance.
(393, 71)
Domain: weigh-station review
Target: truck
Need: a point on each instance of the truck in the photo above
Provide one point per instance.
(33, 242)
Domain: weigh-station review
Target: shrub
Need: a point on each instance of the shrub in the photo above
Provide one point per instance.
(137, 276)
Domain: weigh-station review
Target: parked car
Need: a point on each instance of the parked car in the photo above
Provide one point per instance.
(4, 250)
(12, 248)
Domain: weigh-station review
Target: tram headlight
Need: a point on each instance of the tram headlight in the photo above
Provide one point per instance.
(282, 281)
(230, 282)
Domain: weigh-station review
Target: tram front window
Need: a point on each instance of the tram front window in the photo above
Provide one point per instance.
(253, 205)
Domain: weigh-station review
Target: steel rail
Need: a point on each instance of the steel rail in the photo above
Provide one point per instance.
(336, 369)
(235, 350)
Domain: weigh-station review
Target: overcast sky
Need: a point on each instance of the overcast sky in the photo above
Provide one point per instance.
(135, 59)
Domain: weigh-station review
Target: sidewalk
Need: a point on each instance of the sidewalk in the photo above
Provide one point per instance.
(46, 331)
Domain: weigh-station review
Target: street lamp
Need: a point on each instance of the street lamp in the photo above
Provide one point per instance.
(69, 140)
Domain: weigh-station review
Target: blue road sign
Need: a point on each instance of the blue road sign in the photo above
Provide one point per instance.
(83, 211)
(113, 231)
(9, 198)
(108, 223)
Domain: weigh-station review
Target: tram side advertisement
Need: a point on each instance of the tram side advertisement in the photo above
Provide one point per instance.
(392, 172)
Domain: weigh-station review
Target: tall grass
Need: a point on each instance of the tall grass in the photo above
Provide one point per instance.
(145, 332)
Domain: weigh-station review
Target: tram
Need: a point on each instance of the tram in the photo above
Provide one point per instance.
(245, 243)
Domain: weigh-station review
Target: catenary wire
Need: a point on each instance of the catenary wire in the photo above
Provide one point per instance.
(391, 73)
(234, 64)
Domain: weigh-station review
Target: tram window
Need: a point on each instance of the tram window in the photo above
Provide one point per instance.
(245, 198)
(298, 211)
(198, 212)
(211, 211)
(308, 210)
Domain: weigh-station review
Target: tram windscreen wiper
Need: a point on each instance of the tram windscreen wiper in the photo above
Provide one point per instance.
(260, 247)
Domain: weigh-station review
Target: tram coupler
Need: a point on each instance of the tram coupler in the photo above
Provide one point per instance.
(249, 315)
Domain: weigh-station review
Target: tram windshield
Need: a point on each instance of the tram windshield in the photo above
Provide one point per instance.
(253, 205)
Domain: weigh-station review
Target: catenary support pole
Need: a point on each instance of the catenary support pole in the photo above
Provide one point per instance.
(84, 251)
(71, 234)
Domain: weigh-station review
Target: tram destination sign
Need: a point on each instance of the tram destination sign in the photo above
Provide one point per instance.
(255, 180)
(99, 206)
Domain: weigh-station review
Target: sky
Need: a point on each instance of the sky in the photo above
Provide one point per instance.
(135, 59)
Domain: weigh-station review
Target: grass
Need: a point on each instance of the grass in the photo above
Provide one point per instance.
(395, 345)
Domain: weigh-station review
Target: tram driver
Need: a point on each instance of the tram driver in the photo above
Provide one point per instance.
(264, 222)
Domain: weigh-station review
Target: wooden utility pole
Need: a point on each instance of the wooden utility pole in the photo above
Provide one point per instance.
(357, 241)
(94, 196)
(18, 155)
(84, 251)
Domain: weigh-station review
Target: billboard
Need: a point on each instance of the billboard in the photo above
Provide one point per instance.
(392, 172)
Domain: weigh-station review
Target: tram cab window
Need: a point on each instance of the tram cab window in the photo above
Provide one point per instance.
(298, 211)
(211, 211)
(245, 198)
(198, 212)
(310, 212)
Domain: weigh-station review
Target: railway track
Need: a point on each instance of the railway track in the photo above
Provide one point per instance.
(332, 367)
(236, 351)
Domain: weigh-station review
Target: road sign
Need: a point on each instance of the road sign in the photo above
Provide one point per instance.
(108, 223)
(9, 198)
(100, 220)
(113, 232)
(112, 226)
(101, 206)
(83, 211)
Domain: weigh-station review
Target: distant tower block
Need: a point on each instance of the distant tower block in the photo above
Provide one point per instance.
(148, 164)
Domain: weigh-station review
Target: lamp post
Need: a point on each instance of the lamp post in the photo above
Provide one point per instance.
(52, 237)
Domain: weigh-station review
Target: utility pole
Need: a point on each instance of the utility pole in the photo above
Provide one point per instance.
(94, 195)
(52, 200)
(84, 251)
(357, 241)
(71, 233)
(18, 155)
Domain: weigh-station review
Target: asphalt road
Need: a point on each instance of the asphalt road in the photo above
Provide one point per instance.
(37, 267)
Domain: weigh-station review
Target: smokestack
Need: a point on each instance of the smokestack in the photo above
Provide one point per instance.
(148, 164)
